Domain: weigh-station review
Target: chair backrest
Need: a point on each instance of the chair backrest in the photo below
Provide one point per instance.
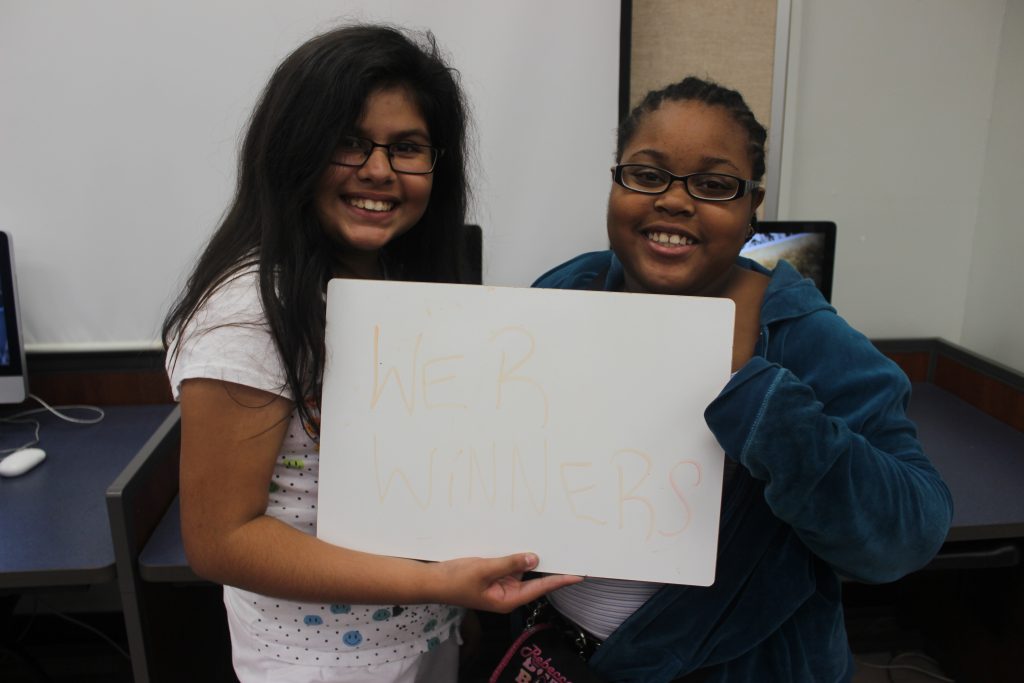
(471, 255)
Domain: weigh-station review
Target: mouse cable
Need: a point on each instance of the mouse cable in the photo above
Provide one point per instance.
(19, 418)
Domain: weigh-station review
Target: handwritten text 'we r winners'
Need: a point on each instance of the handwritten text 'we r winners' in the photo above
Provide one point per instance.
(524, 473)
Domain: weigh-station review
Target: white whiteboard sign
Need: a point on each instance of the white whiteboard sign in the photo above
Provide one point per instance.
(478, 421)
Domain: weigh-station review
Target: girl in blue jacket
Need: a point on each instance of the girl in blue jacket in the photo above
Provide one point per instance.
(825, 476)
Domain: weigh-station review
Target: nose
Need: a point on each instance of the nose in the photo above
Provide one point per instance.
(675, 200)
(377, 167)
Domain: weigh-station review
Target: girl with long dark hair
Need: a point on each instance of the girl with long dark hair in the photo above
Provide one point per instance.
(354, 165)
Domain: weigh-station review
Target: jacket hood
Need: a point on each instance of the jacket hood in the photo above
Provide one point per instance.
(789, 295)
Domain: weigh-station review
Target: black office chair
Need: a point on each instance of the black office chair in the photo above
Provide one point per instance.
(471, 255)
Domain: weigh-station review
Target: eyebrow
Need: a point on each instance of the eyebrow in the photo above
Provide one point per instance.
(705, 161)
(399, 135)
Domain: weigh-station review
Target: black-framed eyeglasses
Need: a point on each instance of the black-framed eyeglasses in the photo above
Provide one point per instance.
(404, 157)
(711, 187)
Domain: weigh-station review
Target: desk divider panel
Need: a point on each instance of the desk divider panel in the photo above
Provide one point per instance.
(176, 631)
(989, 386)
(136, 501)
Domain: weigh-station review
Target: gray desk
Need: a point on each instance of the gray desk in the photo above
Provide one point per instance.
(981, 460)
(54, 529)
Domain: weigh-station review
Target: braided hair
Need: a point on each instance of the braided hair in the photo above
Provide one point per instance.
(712, 94)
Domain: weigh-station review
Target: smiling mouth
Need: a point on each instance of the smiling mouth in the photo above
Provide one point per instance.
(370, 204)
(669, 238)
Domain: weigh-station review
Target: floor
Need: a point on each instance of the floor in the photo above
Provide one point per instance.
(45, 648)
(901, 667)
(75, 636)
(38, 645)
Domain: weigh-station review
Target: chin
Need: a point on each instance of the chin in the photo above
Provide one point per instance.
(667, 288)
(662, 283)
(365, 239)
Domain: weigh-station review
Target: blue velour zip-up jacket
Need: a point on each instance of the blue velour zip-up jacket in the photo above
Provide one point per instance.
(831, 482)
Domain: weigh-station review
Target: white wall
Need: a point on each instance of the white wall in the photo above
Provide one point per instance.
(119, 122)
(994, 320)
(887, 127)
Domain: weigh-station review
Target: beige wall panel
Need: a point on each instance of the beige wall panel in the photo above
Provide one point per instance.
(728, 41)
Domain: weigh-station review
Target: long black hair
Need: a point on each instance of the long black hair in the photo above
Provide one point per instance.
(315, 97)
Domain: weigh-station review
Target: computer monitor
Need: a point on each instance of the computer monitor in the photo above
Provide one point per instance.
(13, 380)
(808, 246)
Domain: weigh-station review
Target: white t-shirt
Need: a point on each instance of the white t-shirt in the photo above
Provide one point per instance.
(599, 606)
(228, 339)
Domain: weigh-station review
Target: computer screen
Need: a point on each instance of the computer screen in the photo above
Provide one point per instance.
(13, 380)
(808, 246)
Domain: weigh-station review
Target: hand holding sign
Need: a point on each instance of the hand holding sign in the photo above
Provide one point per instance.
(495, 585)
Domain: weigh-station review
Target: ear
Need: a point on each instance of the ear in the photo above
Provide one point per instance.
(758, 197)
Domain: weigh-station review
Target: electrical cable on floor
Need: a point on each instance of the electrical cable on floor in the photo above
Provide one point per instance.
(88, 627)
(13, 648)
(31, 620)
(893, 666)
(28, 660)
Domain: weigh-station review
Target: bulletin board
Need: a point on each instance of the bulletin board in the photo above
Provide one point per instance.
(741, 44)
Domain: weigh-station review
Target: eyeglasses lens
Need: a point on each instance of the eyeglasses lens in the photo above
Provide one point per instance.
(410, 158)
(645, 178)
(713, 186)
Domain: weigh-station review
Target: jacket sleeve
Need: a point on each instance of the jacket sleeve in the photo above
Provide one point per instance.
(825, 429)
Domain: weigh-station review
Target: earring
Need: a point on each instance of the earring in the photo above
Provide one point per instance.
(750, 231)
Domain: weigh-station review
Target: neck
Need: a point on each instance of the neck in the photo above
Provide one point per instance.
(731, 285)
(361, 265)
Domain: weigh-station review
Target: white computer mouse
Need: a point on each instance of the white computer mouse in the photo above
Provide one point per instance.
(20, 462)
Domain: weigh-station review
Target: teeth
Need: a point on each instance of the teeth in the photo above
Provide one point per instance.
(370, 204)
(669, 238)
